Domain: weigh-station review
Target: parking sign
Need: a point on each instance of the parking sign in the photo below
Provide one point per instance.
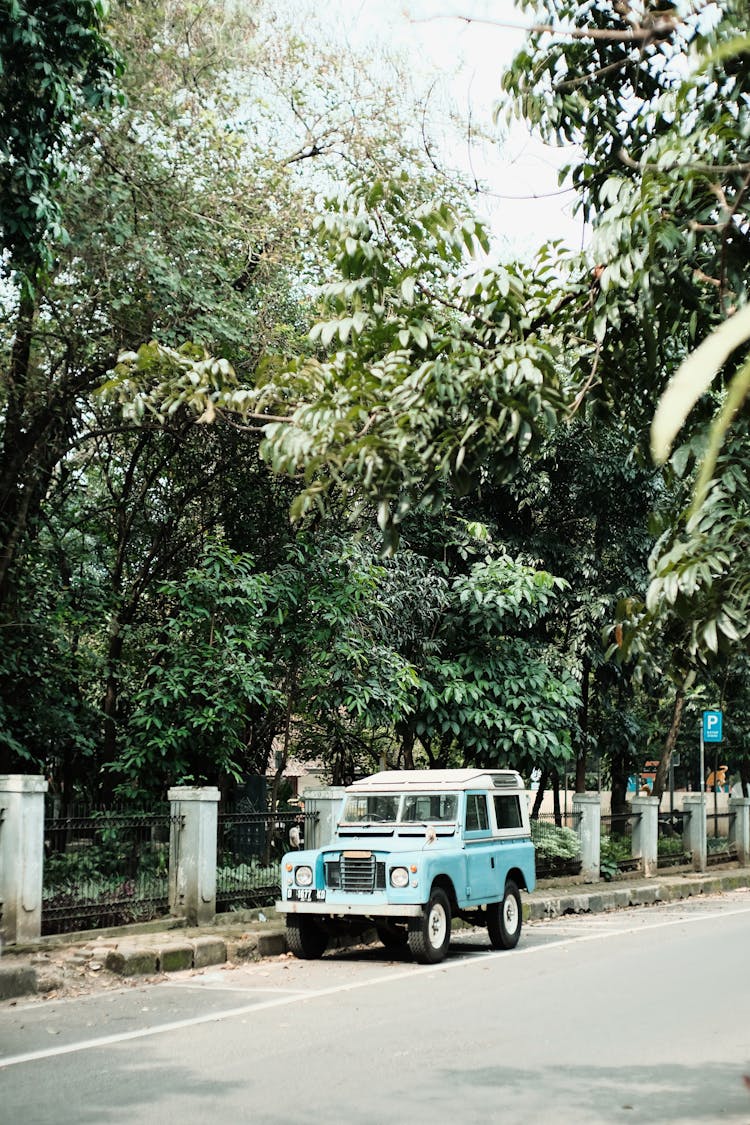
(712, 726)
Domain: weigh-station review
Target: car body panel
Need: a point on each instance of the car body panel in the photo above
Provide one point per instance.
(471, 857)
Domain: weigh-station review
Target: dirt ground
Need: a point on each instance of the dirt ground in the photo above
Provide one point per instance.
(67, 971)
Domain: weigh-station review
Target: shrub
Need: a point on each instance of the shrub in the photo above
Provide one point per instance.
(552, 842)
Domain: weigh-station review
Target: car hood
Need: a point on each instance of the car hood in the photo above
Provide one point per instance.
(413, 840)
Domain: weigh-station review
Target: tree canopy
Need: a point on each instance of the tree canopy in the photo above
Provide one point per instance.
(483, 561)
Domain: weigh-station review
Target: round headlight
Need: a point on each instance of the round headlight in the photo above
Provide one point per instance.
(399, 877)
(303, 876)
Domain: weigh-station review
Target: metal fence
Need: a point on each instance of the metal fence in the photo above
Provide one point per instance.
(558, 848)
(105, 869)
(670, 846)
(718, 847)
(250, 848)
(616, 843)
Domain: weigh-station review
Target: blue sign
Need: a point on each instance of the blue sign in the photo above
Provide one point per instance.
(712, 724)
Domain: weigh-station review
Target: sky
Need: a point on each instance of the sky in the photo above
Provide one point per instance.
(526, 206)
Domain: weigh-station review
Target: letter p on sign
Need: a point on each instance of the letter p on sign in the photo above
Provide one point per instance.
(712, 726)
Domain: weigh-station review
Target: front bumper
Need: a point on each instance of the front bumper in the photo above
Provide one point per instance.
(351, 909)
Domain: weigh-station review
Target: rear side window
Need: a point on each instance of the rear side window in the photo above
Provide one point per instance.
(476, 812)
(508, 811)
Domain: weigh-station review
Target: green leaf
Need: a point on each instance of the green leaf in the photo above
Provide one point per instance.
(693, 378)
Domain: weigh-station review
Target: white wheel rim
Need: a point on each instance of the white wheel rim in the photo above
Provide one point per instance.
(437, 925)
(510, 914)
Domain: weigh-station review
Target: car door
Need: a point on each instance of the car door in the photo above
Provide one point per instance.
(483, 884)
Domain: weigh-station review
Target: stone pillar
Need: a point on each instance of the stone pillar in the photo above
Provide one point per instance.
(694, 828)
(322, 808)
(192, 853)
(645, 840)
(21, 856)
(739, 827)
(587, 807)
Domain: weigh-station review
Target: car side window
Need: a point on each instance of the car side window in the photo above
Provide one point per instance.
(477, 819)
(508, 811)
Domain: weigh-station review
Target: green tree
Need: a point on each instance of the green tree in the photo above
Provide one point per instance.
(182, 208)
(493, 691)
(209, 668)
(655, 102)
(55, 64)
(429, 371)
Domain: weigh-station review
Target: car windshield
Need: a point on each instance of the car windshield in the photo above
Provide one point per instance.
(400, 808)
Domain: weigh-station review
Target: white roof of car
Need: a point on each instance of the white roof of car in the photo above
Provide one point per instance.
(426, 780)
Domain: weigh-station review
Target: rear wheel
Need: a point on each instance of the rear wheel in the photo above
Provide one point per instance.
(504, 918)
(305, 937)
(430, 935)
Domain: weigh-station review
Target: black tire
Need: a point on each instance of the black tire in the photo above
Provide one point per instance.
(305, 937)
(430, 934)
(504, 919)
(394, 938)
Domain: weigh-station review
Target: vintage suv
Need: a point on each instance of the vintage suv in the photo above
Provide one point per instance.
(412, 850)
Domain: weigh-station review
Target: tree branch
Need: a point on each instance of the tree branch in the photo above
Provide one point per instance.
(660, 27)
(705, 169)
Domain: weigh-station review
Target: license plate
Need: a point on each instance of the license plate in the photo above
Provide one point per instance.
(307, 894)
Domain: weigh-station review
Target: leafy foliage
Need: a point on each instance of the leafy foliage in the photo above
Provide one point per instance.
(55, 62)
(553, 842)
(662, 178)
(208, 670)
(438, 370)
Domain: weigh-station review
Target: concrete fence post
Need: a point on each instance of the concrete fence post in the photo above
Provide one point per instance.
(321, 812)
(587, 810)
(192, 853)
(21, 856)
(694, 829)
(645, 838)
(739, 827)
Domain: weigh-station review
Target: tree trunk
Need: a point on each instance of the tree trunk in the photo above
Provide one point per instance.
(556, 798)
(408, 738)
(110, 704)
(662, 770)
(620, 809)
(745, 778)
(583, 724)
(539, 798)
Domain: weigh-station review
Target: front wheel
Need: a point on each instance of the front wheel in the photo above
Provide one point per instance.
(430, 934)
(305, 937)
(504, 918)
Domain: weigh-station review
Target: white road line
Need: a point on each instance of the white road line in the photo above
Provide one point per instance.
(409, 973)
(230, 988)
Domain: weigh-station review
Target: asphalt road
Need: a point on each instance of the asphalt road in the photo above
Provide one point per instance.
(639, 1015)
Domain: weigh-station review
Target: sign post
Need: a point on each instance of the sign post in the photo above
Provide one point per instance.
(711, 731)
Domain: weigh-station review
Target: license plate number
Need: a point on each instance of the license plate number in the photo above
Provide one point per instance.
(307, 894)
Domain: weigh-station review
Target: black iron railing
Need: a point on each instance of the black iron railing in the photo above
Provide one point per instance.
(558, 848)
(105, 869)
(250, 848)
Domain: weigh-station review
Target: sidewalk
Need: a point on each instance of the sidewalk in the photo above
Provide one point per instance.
(75, 964)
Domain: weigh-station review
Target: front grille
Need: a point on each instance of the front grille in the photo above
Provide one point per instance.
(358, 875)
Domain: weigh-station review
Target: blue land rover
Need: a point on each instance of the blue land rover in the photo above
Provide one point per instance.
(412, 850)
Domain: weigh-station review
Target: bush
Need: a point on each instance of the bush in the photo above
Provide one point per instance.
(552, 842)
(615, 849)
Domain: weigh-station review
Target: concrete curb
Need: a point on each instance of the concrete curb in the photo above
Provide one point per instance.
(130, 954)
(540, 905)
(17, 980)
